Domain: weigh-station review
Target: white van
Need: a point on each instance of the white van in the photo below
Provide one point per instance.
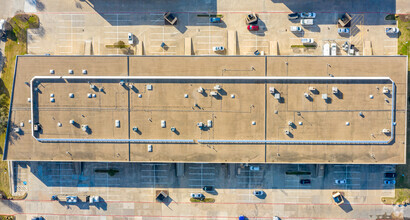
(295, 29)
(326, 49)
(306, 21)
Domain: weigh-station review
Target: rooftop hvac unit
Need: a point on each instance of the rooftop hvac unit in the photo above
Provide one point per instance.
(117, 123)
(163, 124)
(386, 131)
(84, 128)
(277, 96)
(122, 82)
(21, 124)
(213, 93)
(35, 127)
(335, 90)
(84, 71)
(312, 89)
(290, 123)
(306, 95)
(131, 86)
(386, 90)
(52, 71)
(272, 90)
(200, 90)
(149, 87)
(149, 148)
(173, 129)
(72, 122)
(200, 125)
(324, 96)
(17, 130)
(209, 123)
(92, 86)
(135, 129)
(287, 132)
(71, 71)
(217, 87)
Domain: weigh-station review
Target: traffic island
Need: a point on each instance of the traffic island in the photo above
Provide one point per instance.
(206, 200)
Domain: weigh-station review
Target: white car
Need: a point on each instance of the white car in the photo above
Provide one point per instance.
(308, 15)
(393, 30)
(197, 195)
(307, 40)
(340, 181)
(258, 192)
(220, 48)
(295, 29)
(130, 38)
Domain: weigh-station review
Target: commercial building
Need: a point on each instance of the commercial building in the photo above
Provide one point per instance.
(216, 109)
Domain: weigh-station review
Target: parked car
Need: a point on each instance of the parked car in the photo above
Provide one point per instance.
(220, 48)
(215, 20)
(308, 15)
(170, 18)
(295, 29)
(390, 175)
(307, 40)
(38, 218)
(208, 188)
(390, 182)
(130, 38)
(254, 168)
(326, 49)
(306, 22)
(71, 199)
(251, 18)
(293, 16)
(253, 28)
(258, 192)
(333, 50)
(242, 217)
(343, 30)
(337, 198)
(197, 195)
(305, 181)
(340, 181)
(393, 30)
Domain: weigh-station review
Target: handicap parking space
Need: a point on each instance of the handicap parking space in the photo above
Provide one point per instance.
(351, 173)
(115, 30)
(248, 180)
(21, 173)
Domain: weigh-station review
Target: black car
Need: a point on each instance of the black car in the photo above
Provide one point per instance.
(390, 175)
(293, 16)
(305, 181)
(208, 188)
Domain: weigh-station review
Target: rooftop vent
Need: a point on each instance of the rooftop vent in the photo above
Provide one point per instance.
(213, 93)
(122, 82)
(52, 71)
(272, 90)
(92, 86)
(52, 95)
(28, 99)
(277, 96)
(335, 90)
(135, 129)
(71, 95)
(84, 128)
(52, 100)
(72, 122)
(200, 90)
(217, 87)
(386, 90)
(233, 96)
(386, 131)
(312, 89)
(59, 124)
(71, 71)
(84, 71)
(324, 96)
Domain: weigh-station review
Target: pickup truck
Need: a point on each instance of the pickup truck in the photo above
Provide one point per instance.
(306, 22)
(393, 30)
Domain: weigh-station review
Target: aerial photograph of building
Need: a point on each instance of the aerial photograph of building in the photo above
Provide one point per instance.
(206, 109)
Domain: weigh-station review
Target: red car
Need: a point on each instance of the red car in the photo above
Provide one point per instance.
(253, 27)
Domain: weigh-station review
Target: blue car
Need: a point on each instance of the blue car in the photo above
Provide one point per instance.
(215, 20)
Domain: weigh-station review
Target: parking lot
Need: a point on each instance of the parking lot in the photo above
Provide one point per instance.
(134, 187)
(106, 24)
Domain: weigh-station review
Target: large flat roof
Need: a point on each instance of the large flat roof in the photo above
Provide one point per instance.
(255, 109)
